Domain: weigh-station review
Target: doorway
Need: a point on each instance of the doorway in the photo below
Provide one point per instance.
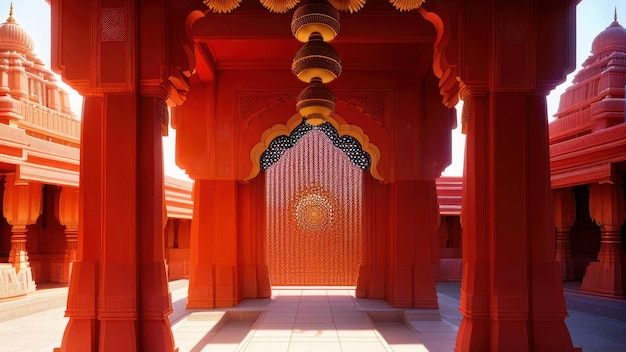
(314, 192)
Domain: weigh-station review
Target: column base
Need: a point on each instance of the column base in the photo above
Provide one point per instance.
(10, 283)
(156, 335)
(79, 336)
(264, 285)
(25, 278)
(201, 293)
(414, 287)
(212, 288)
(118, 335)
(472, 335)
(606, 278)
(81, 331)
(371, 282)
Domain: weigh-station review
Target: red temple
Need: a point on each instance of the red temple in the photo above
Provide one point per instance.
(587, 164)
(327, 122)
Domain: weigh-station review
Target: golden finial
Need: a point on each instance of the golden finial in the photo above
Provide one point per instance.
(11, 19)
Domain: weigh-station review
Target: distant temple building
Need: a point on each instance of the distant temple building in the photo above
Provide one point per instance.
(588, 168)
(39, 171)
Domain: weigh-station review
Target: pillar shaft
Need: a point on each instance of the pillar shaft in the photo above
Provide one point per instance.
(118, 273)
(71, 243)
(67, 215)
(81, 332)
(154, 296)
(22, 205)
(213, 281)
(372, 280)
(414, 234)
(118, 297)
(18, 256)
(606, 207)
(511, 292)
(564, 216)
(255, 281)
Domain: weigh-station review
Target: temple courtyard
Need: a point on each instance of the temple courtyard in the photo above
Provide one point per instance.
(310, 319)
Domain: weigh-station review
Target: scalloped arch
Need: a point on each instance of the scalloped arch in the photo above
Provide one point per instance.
(343, 129)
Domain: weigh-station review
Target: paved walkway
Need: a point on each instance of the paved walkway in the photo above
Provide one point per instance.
(298, 319)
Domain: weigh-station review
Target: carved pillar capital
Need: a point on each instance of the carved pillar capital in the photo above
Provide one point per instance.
(564, 208)
(22, 203)
(606, 203)
(67, 209)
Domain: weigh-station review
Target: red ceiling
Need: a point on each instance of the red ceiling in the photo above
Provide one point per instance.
(376, 37)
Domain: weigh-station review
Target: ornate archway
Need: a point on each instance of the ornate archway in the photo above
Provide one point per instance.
(314, 207)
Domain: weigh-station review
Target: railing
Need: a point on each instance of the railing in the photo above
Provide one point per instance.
(47, 122)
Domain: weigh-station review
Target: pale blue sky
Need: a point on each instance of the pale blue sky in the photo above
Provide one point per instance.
(593, 16)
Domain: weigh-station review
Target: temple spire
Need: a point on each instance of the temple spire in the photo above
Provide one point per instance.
(11, 19)
(615, 14)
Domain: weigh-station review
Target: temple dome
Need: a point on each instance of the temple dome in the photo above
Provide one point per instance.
(14, 37)
(613, 38)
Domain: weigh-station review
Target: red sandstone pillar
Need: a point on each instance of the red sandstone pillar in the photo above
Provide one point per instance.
(155, 332)
(22, 207)
(511, 292)
(564, 216)
(254, 274)
(413, 233)
(81, 332)
(68, 210)
(118, 297)
(473, 332)
(213, 280)
(373, 273)
(606, 207)
(117, 304)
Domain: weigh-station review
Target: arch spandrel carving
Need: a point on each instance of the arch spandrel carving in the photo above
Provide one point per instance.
(285, 130)
(260, 123)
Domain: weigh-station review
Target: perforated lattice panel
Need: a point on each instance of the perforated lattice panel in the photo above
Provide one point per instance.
(113, 24)
(314, 210)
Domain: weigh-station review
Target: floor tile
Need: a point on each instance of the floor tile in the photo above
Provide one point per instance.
(300, 320)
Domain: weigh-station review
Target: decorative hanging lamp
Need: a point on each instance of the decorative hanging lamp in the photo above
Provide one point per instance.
(347, 5)
(316, 102)
(316, 58)
(279, 6)
(222, 6)
(406, 5)
(315, 16)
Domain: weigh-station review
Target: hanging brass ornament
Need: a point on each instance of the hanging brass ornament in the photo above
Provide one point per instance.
(316, 102)
(316, 58)
(315, 16)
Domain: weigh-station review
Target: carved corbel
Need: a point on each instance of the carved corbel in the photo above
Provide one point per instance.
(182, 57)
(444, 64)
(606, 204)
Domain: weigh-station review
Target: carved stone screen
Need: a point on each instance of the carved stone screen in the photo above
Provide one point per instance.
(314, 209)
